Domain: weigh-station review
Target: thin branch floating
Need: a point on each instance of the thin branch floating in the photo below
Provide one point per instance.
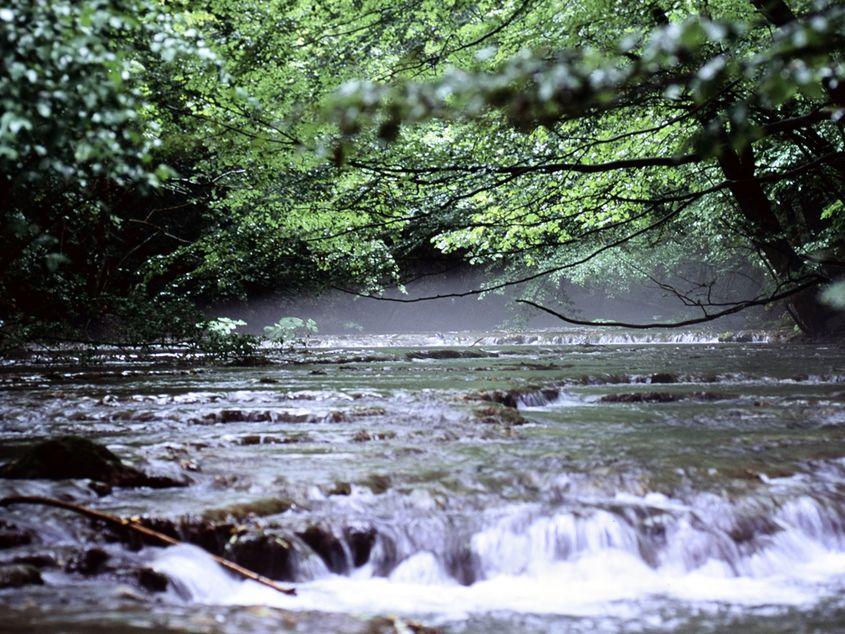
(137, 527)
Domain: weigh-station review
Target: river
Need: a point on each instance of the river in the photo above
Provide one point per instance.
(472, 482)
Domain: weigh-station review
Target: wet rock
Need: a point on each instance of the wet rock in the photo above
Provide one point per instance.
(19, 575)
(253, 416)
(378, 483)
(341, 488)
(259, 439)
(268, 555)
(251, 361)
(499, 415)
(449, 353)
(661, 397)
(152, 580)
(463, 566)
(268, 380)
(210, 536)
(515, 397)
(747, 529)
(393, 625)
(37, 560)
(100, 488)
(663, 377)
(91, 562)
(256, 508)
(360, 543)
(336, 416)
(70, 457)
(365, 436)
(11, 536)
(364, 412)
(328, 547)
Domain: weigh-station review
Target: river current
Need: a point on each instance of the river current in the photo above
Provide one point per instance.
(472, 482)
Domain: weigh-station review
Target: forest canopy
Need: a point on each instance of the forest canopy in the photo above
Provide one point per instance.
(158, 157)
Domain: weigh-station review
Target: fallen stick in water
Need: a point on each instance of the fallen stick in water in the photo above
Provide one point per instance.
(135, 526)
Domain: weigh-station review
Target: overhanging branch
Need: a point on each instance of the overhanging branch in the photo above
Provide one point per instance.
(677, 324)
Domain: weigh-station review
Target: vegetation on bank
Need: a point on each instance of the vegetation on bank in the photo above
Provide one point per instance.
(158, 157)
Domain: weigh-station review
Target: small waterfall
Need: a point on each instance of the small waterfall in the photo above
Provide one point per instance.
(570, 337)
(577, 560)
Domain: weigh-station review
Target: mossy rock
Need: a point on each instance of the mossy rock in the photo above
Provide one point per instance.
(72, 457)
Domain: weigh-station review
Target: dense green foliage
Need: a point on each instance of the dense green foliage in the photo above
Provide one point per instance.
(156, 157)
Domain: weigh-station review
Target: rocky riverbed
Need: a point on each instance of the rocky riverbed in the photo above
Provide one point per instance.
(469, 482)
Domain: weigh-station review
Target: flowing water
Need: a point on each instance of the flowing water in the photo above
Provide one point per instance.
(472, 482)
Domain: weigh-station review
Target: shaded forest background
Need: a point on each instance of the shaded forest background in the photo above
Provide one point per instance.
(157, 158)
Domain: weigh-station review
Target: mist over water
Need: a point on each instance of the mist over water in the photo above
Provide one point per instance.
(338, 312)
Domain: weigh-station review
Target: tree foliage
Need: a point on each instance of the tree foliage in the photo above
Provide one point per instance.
(158, 157)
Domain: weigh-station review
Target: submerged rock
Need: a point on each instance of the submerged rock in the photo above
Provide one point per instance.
(152, 580)
(448, 353)
(11, 536)
(340, 488)
(378, 483)
(328, 547)
(499, 415)
(18, 575)
(365, 436)
(91, 562)
(257, 508)
(663, 377)
(71, 457)
(661, 397)
(254, 416)
(44, 560)
(360, 543)
(268, 555)
(530, 395)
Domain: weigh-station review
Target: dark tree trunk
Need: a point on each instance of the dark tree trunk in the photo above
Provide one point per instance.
(813, 317)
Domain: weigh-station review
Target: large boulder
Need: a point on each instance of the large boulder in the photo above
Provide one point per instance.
(71, 457)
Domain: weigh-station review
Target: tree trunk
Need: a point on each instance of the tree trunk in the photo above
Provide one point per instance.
(812, 317)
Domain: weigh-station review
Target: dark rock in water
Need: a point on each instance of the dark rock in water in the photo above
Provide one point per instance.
(341, 488)
(11, 536)
(252, 416)
(360, 544)
(18, 575)
(328, 547)
(91, 562)
(390, 625)
(661, 397)
(68, 457)
(449, 353)
(378, 483)
(463, 566)
(268, 555)
(38, 561)
(513, 398)
(361, 436)
(365, 436)
(641, 397)
(499, 415)
(252, 361)
(255, 508)
(210, 536)
(152, 580)
(663, 377)
(100, 488)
